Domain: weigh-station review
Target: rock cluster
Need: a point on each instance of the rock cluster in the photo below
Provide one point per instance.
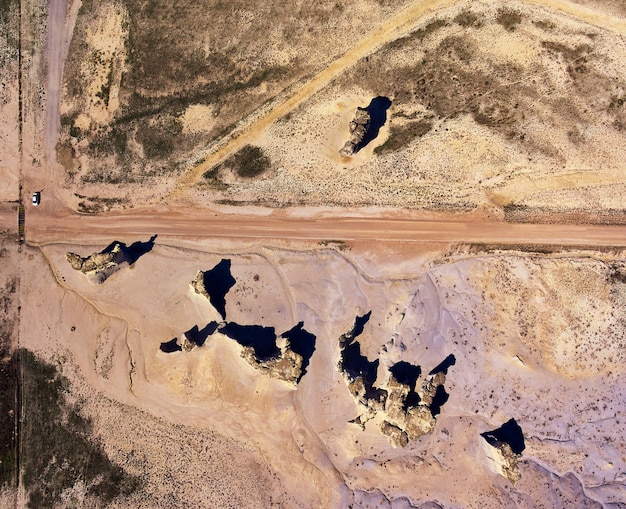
(98, 267)
(287, 366)
(404, 412)
(413, 420)
(358, 127)
(214, 284)
(508, 463)
(197, 285)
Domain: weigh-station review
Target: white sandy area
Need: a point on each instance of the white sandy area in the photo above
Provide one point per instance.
(519, 326)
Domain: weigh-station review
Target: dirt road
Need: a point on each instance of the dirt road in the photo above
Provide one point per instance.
(58, 37)
(176, 224)
(56, 225)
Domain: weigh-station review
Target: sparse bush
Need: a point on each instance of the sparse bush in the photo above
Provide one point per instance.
(248, 162)
(468, 19)
(509, 19)
(59, 450)
(212, 178)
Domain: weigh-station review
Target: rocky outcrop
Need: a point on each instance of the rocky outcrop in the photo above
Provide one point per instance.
(197, 285)
(284, 357)
(287, 366)
(407, 413)
(98, 267)
(190, 339)
(506, 462)
(506, 444)
(214, 284)
(358, 127)
(275, 356)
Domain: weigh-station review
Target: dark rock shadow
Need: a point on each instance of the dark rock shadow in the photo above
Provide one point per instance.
(510, 433)
(301, 342)
(137, 249)
(171, 346)
(407, 374)
(377, 110)
(359, 325)
(355, 365)
(443, 366)
(441, 397)
(218, 281)
(199, 336)
(261, 339)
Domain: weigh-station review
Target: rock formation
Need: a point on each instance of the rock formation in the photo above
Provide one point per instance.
(506, 462)
(100, 266)
(287, 366)
(505, 447)
(263, 350)
(197, 285)
(358, 127)
(214, 284)
(410, 412)
(407, 413)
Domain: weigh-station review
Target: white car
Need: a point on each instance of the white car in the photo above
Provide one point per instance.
(36, 198)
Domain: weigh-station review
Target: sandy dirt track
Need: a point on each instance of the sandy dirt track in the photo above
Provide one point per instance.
(44, 229)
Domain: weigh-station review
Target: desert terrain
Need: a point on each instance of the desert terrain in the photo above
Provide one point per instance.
(212, 307)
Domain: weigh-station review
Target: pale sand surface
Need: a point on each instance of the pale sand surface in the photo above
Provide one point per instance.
(517, 324)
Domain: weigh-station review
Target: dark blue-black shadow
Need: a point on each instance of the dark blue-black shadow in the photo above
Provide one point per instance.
(407, 374)
(356, 365)
(261, 339)
(199, 336)
(302, 342)
(171, 346)
(377, 110)
(443, 366)
(218, 281)
(137, 249)
(510, 433)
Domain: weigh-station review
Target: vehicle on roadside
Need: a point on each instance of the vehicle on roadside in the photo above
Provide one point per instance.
(36, 198)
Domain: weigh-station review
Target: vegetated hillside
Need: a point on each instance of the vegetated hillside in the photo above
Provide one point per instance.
(497, 105)
(148, 82)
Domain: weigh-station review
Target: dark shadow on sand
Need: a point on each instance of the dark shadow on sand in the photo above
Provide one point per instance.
(377, 110)
(509, 433)
(443, 366)
(199, 336)
(137, 249)
(441, 397)
(355, 365)
(171, 346)
(407, 374)
(218, 281)
(302, 342)
(261, 339)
